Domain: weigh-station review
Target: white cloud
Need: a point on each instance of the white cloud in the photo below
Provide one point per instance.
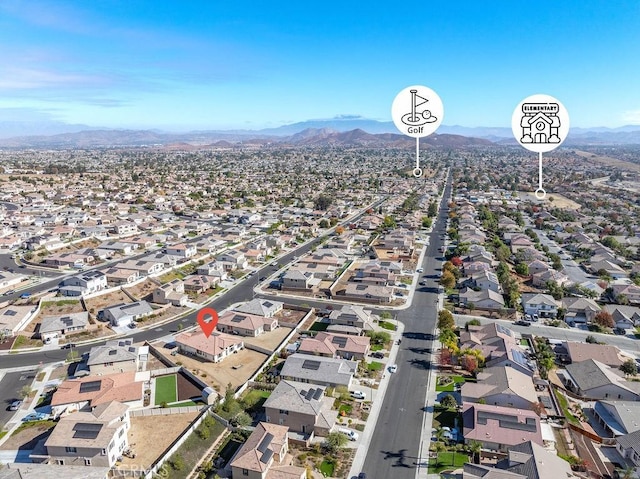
(631, 117)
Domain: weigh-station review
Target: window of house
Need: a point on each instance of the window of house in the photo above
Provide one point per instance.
(60, 462)
(70, 449)
(282, 411)
(103, 452)
(87, 462)
(245, 472)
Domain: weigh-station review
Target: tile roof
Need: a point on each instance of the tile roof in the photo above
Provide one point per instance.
(120, 387)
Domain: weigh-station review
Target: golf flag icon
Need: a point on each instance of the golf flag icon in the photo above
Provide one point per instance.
(415, 117)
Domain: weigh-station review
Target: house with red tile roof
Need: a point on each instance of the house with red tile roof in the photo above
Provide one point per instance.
(214, 348)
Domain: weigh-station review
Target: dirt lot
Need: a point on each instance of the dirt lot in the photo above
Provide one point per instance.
(162, 314)
(609, 161)
(28, 438)
(106, 300)
(142, 290)
(219, 375)
(558, 201)
(148, 440)
(271, 339)
(290, 315)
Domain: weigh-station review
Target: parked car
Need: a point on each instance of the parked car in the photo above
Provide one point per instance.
(377, 355)
(393, 368)
(352, 435)
(11, 291)
(132, 325)
(35, 416)
(358, 395)
(423, 283)
(362, 475)
(15, 405)
(522, 322)
(420, 270)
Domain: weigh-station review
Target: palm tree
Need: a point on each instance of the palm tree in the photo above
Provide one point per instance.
(439, 434)
(476, 448)
(626, 473)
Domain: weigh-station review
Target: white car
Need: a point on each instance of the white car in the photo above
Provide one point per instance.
(419, 270)
(393, 368)
(358, 395)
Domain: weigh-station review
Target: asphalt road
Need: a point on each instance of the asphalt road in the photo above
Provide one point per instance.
(241, 292)
(394, 448)
(10, 386)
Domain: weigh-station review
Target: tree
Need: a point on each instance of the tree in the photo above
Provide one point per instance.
(322, 202)
(339, 230)
(522, 269)
(426, 222)
(385, 315)
(448, 339)
(324, 223)
(476, 448)
(604, 319)
(389, 222)
(445, 320)
(448, 280)
(591, 339)
(177, 462)
(242, 419)
(629, 367)
(335, 441)
(379, 337)
(432, 210)
(449, 402)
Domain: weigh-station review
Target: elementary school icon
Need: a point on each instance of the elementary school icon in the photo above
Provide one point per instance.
(540, 123)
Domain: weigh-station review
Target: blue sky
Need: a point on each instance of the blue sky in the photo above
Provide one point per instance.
(252, 64)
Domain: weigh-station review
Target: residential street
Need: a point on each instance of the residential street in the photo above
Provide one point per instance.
(394, 451)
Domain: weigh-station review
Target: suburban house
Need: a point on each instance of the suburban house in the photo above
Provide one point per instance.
(7, 279)
(199, 283)
(214, 348)
(264, 455)
(527, 460)
(499, 428)
(542, 305)
(91, 438)
(618, 417)
(143, 266)
(124, 314)
(214, 269)
(297, 280)
(81, 285)
(183, 250)
(119, 355)
(625, 317)
(232, 260)
(261, 307)
(368, 293)
(171, 293)
(579, 310)
(629, 447)
(319, 370)
(244, 324)
(32, 470)
(486, 299)
(350, 319)
(629, 291)
(336, 346)
(90, 391)
(592, 379)
(372, 273)
(501, 386)
(55, 327)
(302, 408)
(13, 318)
(484, 280)
(121, 276)
(576, 352)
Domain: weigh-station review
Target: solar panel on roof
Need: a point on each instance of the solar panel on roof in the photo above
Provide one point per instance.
(361, 287)
(90, 386)
(317, 394)
(237, 318)
(267, 304)
(84, 430)
(266, 441)
(311, 364)
(340, 341)
(309, 394)
(266, 457)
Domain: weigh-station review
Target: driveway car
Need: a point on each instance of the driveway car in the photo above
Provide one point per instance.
(358, 395)
(393, 368)
(377, 355)
(35, 416)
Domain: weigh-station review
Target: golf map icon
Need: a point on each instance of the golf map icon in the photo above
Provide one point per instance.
(417, 112)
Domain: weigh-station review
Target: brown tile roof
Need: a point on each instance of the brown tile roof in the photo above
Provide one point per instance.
(248, 456)
(120, 387)
(214, 344)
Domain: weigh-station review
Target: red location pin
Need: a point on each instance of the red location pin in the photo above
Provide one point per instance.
(207, 326)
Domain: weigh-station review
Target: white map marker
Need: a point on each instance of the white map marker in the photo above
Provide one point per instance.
(417, 111)
(540, 123)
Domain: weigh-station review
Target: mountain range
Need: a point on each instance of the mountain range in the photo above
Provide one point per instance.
(348, 130)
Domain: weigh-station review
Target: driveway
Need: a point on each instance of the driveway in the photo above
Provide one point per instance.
(10, 386)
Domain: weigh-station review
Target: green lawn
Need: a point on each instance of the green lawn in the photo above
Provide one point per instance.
(387, 325)
(166, 389)
(326, 468)
(254, 399)
(376, 347)
(187, 403)
(347, 408)
(564, 405)
(446, 417)
(374, 366)
(447, 460)
(317, 326)
(450, 386)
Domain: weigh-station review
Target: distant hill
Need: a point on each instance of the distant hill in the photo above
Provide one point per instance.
(346, 130)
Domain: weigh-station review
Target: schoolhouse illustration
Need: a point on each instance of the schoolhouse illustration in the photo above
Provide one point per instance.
(540, 123)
